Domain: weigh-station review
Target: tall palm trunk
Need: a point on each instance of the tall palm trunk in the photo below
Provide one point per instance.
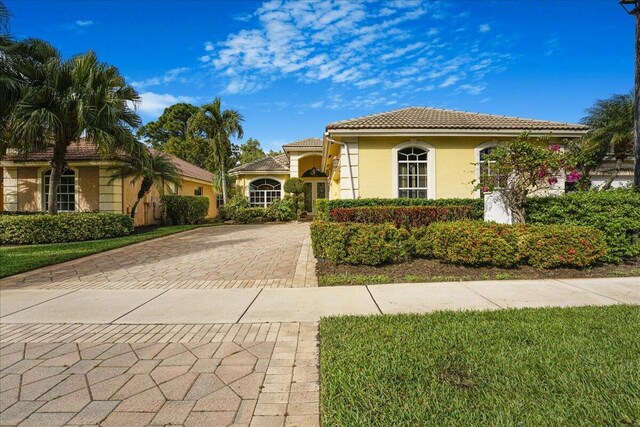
(145, 186)
(57, 166)
(223, 178)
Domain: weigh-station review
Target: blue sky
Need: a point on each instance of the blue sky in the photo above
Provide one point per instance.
(293, 67)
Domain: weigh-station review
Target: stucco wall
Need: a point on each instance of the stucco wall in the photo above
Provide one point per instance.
(28, 192)
(308, 162)
(188, 189)
(88, 191)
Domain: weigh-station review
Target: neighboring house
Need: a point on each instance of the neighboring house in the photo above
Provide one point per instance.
(85, 184)
(411, 152)
(262, 181)
(604, 173)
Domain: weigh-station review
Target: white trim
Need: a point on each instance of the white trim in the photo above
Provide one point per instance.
(452, 132)
(248, 186)
(40, 193)
(431, 166)
(476, 156)
(282, 172)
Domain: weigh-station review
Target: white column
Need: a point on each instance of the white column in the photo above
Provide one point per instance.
(10, 188)
(349, 186)
(110, 193)
(495, 209)
(294, 161)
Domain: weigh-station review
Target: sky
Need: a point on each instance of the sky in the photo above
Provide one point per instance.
(292, 67)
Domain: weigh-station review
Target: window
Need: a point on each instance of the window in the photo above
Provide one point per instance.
(263, 192)
(197, 191)
(488, 176)
(412, 173)
(66, 191)
(219, 200)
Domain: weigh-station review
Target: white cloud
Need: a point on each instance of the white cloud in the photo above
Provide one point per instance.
(86, 23)
(398, 45)
(168, 77)
(153, 104)
(472, 89)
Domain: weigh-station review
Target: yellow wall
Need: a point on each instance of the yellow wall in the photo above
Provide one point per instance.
(188, 189)
(308, 162)
(28, 191)
(88, 181)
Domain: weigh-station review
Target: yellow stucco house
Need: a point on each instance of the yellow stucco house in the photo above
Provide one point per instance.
(85, 185)
(411, 152)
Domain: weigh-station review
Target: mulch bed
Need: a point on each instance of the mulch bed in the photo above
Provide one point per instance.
(436, 270)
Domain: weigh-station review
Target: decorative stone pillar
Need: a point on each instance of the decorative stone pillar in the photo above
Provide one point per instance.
(349, 187)
(10, 188)
(496, 210)
(110, 193)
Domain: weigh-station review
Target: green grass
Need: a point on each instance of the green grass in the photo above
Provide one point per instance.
(352, 279)
(18, 259)
(530, 367)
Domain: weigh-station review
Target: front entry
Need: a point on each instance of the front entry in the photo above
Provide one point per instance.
(312, 191)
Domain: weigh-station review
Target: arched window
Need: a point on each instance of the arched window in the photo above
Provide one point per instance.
(488, 175)
(412, 173)
(263, 192)
(66, 191)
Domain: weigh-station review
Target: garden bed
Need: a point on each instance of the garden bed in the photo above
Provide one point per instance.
(550, 366)
(429, 270)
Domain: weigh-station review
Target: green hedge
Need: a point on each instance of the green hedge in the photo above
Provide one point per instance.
(63, 227)
(181, 210)
(614, 212)
(369, 244)
(403, 216)
(459, 242)
(239, 210)
(324, 206)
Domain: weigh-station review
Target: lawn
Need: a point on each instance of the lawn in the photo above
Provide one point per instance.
(533, 367)
(18, 259)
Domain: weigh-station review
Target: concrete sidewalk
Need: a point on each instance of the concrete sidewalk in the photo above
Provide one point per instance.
(206, 306)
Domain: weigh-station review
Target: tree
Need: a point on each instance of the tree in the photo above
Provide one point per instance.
(217, 127)
(610, 135)
(295, 186)
(172, 124)
(273, 153)
(530, 165)
(61, 102)
(151, 167)
(249, 152)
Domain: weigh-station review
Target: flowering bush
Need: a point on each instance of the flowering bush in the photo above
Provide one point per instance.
(529, 166)
(412, 216)
(550, 246)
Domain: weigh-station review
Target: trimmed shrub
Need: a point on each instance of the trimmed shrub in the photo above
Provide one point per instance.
(250, 215)
(64, 227)
(408, 217)
(551, 246)
(180, 210)
(282, 210)
(477, 205)
(614, 212)
(228, 210)
(476, 243)
(369, 244)
(322, 209)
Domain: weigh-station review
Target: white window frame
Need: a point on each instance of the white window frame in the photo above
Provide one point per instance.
(477, 152)
(43, 190)
(431, 166)
(264, 204)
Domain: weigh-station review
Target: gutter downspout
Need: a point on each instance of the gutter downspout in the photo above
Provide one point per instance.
(346, 148)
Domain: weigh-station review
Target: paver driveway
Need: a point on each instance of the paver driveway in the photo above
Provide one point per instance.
(229, 256)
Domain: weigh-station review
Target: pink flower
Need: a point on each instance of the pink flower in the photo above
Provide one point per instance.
(553, 180)
(555, 148)
(485, 189)
(574, 176)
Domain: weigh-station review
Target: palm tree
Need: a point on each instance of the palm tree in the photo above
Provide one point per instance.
(61, 102)
(611, 134)
(152, 167)
(217, 127)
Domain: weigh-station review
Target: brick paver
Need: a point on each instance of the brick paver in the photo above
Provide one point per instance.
(222, 374)
(228, 256)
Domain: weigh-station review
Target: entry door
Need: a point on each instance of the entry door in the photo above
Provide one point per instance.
(313, 191)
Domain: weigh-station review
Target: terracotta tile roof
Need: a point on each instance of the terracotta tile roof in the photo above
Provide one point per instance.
(82, 150)
(434, 118)
(305, 143)
(86, 150)
(278, 163)
(187, 169)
